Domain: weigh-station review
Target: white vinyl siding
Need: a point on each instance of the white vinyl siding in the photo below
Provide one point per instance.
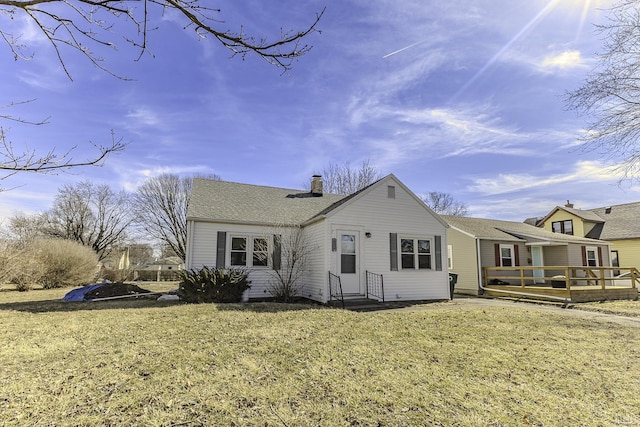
(375, 213)
(463, 247)
(371, 213)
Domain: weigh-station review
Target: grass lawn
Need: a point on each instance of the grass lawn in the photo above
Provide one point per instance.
(623, 307)
(134, 362)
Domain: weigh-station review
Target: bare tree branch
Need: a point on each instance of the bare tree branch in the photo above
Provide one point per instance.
(26, 159)
(610, 96)
(81, 24)
(93, 215)
(160, 209)
(444, 204)
(87, 25)
(344, 179)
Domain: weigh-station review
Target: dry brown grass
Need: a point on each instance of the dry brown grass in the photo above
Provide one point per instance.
(626, 308)
(150, 363)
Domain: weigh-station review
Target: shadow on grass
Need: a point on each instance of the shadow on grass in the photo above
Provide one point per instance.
(48, 306)
(51, 306)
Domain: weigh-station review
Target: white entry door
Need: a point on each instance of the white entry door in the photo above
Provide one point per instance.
(349, 261)
(537, 261)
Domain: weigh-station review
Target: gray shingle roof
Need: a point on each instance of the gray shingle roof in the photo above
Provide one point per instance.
(622, 222)
(223, 201)
(587, 215)
(493, 229)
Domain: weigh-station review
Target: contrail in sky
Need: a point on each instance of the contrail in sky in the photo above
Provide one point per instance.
(404, 48)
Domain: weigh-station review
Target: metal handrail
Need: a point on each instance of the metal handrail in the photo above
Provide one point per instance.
(375, 285)
(333, 280)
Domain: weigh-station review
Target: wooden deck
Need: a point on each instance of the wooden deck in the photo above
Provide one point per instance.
(562, 283)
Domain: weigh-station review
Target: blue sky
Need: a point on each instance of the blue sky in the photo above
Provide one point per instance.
(461, 97)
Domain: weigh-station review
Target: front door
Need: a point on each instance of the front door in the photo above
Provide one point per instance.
(349, 261)
(537, 261)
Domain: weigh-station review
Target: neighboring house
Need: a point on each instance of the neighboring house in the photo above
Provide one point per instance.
(383, 229)
(618, 224)
(159, 270)
(475, 243)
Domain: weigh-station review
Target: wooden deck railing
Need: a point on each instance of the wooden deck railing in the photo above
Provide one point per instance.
(562, 276)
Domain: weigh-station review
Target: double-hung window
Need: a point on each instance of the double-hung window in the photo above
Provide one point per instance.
(415, 253)
(249, 251)
(506, 256)
(592, 256)
(564, 227)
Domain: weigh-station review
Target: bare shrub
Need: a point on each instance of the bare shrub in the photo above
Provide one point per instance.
(17, 266)
(64, 262)
(289, 260)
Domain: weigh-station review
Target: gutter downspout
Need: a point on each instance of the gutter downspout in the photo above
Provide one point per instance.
(526, 294)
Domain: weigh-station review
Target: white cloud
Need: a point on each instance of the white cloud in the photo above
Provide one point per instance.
(583, 172)
(143, 116)
(28, 202)
(132, 177)
(566, 60)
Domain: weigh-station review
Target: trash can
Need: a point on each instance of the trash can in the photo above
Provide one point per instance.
(453, 279)
(559, 281)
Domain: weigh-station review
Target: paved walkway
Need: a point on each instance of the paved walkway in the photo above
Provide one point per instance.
(464, 301)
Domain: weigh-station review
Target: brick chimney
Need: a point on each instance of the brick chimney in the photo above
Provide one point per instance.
(316, 185)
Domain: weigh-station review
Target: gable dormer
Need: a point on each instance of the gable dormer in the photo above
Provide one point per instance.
(571, 221)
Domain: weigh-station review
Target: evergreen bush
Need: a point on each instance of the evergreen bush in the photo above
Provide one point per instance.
(213, 285)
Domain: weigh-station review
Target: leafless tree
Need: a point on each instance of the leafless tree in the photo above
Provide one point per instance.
(444, 204)
(289, 259)
(88, 25)
(343, 179)
(93, 215)
(160, 208)
(23, 229)
(610, 95)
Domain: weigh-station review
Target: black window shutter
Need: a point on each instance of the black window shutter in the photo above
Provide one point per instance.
(221, 249)
(277, 251)
(438, 244)
(498, 255)
(584, 255)
(600, 256)
(516, 255)
(393, 250)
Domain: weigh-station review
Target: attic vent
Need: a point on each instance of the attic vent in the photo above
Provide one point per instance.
(391, 192)
(607, 210)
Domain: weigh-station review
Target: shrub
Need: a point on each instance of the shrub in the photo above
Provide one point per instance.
(213, 285)
(17, 266)
(64, 262)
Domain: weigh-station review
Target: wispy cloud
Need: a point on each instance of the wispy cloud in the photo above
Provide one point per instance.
(583, 172)
(143, 116)
(409, 134)
(132, 177)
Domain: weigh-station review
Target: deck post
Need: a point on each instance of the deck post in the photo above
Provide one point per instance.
(604, 284)
(633, 278)
(522, 277)
(567, 279)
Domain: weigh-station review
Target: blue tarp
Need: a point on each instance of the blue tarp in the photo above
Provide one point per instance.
(79, 293)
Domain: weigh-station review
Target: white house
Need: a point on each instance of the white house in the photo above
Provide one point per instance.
(383, 231)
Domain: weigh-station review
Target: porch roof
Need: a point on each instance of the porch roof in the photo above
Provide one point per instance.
(493, 229)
